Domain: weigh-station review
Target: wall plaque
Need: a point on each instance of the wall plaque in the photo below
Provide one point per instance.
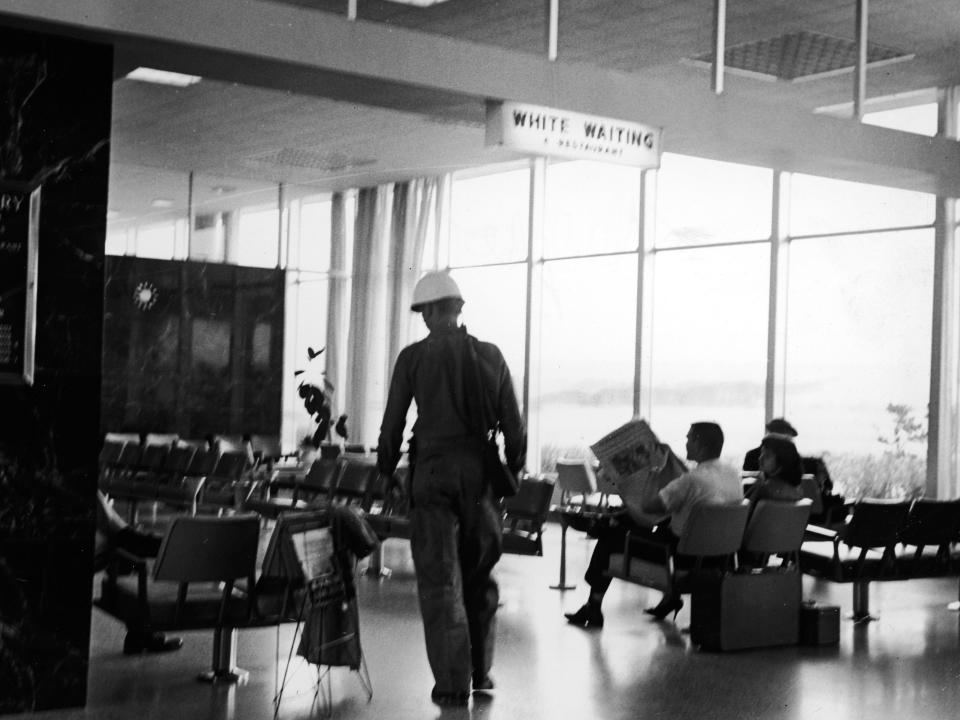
(19, 229)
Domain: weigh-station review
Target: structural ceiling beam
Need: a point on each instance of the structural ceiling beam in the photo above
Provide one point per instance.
(295, 48)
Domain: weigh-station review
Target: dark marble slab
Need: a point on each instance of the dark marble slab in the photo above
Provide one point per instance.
(54, 135)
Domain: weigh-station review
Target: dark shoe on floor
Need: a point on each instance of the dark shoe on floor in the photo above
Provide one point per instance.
(665, 607)
(136, 643)
(483, 684)
(449, 699)
(587, 616)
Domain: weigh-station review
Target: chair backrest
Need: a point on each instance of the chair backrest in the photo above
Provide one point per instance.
(230, 465)
(875, 523)
(576, 477)
(931, 522)
(776, 526)
(811, 491)
(203, 462)
(329, 451)
(153, 457)
(129, 456)
(321, 476)
(179, 459)
(110, 452)
(161, 439)
(354, 478)
(123, 437)
(714, 529)
(266, 447)
(209, 549)
(532, 500)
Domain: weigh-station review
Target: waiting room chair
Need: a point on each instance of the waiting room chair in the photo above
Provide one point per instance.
(707, 549)
(775, 528)
(524, 516)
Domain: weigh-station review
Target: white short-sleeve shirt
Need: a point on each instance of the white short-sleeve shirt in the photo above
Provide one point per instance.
(712, 481)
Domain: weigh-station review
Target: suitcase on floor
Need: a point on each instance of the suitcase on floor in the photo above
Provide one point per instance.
(819, 624)
(740, 611)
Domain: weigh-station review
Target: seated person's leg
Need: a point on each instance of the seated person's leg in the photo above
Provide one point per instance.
(114, 532)
(610, 540)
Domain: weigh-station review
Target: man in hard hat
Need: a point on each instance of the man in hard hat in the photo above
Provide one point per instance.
(455, 532)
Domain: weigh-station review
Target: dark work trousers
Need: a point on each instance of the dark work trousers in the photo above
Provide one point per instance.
(610, 540)
(455, 540)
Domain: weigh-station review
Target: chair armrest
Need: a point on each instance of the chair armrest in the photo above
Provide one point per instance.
(632, 541)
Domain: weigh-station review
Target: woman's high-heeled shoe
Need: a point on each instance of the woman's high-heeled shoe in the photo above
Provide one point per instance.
(665, 607)
(587, 616)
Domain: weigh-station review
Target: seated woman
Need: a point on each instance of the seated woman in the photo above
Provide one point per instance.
(780, 471)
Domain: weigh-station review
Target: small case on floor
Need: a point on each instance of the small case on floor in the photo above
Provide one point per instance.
(819, 624)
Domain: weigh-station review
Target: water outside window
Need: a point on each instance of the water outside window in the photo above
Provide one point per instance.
(858, 357)
(709, 344)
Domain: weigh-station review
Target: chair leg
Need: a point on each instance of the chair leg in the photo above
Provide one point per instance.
(375, 567)
(861, 602)
(224, 668)
(562, 583)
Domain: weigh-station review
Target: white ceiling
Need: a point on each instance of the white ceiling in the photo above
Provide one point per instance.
(251, 136)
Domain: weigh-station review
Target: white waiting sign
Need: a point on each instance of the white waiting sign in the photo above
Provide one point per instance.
(558, 133)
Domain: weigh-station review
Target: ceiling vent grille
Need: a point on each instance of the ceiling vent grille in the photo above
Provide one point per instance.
(300, 158)
(800, 56)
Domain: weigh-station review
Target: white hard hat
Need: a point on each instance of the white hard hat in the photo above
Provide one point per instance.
(434, 286)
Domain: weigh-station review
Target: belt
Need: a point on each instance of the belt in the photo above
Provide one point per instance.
(460, 442)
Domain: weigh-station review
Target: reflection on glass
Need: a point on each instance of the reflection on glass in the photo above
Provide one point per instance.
(211, 343)
(858, 356)
(588, 352)
(495, 311)
(591, 208)
(156, 241)
(709, 341)
(821, 205)
(258, 237)
(307, 319)
(705, 201)
(490, 218)
(314, 236)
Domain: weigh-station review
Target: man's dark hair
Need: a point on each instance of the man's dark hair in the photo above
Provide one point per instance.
(781, 427)
(710, 437)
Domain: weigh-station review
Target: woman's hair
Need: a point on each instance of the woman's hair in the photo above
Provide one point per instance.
(790, 466)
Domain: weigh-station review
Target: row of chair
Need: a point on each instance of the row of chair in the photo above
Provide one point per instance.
(181, 475)
(717, 539)
(205, 577)
(885, 540)
(355, 480)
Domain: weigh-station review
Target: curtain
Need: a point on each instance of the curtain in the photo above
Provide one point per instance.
(415, 217)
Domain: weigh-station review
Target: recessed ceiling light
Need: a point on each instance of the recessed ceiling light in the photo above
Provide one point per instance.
(163, 77)
(161, 203)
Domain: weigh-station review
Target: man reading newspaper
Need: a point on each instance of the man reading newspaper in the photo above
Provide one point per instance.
(658, 495)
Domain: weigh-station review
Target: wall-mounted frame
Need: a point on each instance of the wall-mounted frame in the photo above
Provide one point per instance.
(19, 250)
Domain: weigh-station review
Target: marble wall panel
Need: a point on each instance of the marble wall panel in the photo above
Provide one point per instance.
(54, 134)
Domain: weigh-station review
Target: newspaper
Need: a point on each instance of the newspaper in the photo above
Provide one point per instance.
(314, 551)
(634, 461)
